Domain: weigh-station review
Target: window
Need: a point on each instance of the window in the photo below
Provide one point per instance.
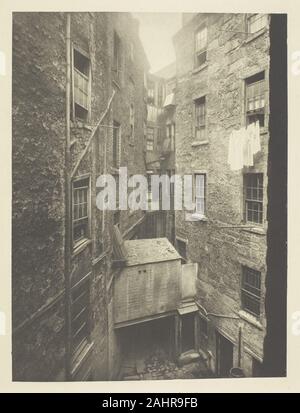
(117, 58)
(80, 210)
(257, 22)
(131, 116)
(81, 82)
(253, 187)
(251, 291)
(200, 119)
(80, 299)
(116, 144)
(255, 99)
(200, 46)
(203, 326)
(150, 139)
(181, 248)
(200, 194)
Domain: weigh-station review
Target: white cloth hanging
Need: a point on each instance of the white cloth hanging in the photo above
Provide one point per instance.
(243, 145)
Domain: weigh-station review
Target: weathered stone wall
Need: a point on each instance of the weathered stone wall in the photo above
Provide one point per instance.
(38, 82)
(39, 79)
(232, 56)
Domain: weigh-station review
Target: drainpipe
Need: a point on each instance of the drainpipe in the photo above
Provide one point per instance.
(67, 254)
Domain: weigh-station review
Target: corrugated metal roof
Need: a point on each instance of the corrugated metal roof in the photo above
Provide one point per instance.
(144, 251)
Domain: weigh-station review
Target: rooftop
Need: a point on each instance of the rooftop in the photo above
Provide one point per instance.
(145, 251)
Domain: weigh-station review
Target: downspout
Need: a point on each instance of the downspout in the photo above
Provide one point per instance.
(67, 254)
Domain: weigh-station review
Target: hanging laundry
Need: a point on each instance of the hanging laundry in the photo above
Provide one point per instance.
(235, 152)
(243, 145)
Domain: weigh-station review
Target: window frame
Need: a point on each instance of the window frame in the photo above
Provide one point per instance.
(76, 49)
(77, 242)
(258, 200)
(260, 112)
(202, 51)
(116, 145)
(117, 58)
(200, 102)
(203, 198)
(250, 294)
(260, 17)
(77, 350)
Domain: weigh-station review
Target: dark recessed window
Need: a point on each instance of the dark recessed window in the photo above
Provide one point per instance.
(255, 99)
(251, 291)
(81, 78)
(200, 46)
(80, 299)
(200, 119)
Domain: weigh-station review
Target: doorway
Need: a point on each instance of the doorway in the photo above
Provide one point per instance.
(224, 353)
(187, 332)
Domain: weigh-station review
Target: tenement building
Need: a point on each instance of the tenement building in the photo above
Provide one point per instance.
(222, 114)
(79, 111)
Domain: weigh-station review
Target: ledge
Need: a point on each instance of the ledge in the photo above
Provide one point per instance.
(78, 124)
(193, 217)
(255, 230)
(200, 68)
(250, 319)
(80, 247)
(200, 143)
(254, 36)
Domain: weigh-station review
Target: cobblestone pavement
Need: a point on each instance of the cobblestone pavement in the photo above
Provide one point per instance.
(159, 366)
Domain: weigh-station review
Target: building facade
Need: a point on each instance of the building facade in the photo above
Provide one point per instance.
(78, 111)
(222, 88)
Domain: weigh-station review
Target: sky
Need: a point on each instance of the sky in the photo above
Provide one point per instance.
(156, 32)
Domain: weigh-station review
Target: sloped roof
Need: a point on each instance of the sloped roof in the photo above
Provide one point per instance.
(145, 251)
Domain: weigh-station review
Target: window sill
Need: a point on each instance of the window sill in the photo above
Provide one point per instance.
(81, 125)
(255, 230)
(254, 36)
(192, 217)
(200, 68)
(251, 319)
(200, 143)
(80, 246)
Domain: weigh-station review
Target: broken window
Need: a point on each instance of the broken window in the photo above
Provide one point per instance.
(116, 145)
(200, 46)
(253, 189)
(200, 119)
(257, 22)
(117, 59)
(80, 210)
(255, 99)
(81, 82)
(251, 291)
(80, 299)
(150, 139)
(200, 194)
